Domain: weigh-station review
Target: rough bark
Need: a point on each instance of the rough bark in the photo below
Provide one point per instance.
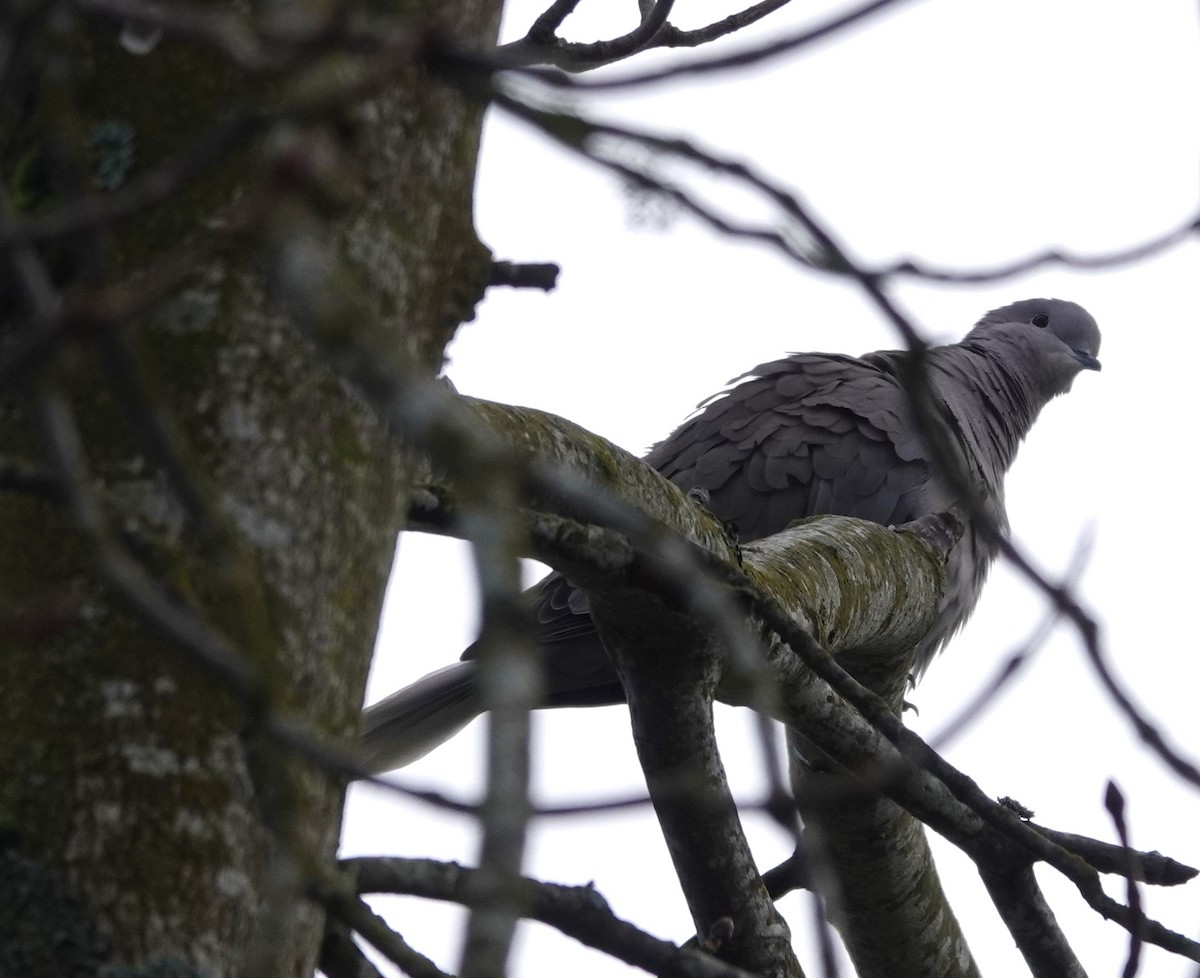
(881, 889)
(146, 817)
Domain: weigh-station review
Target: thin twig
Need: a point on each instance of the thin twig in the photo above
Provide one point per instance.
(1016, 661)
(525, 275)
(541, 47)
(587, 56)
(830, 256)
(1151, 247)
(610, 512)
(544, 27)
(1114, 802)
(672, 37)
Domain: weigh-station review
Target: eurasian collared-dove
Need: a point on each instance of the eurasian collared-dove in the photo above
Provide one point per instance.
(811, 434)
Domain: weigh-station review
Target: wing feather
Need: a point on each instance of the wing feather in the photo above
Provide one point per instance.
(803, 436)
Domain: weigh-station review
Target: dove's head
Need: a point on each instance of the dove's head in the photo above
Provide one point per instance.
(1051, 339)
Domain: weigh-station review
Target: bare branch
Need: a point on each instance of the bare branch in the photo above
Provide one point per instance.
(805, 706)
(1146, 730)
(543, 29)
(519, 53)
(361, 919)
(672, 727)
(1114, 801)
(641, 567)
(541, 47)
(672, 37)
(872, 862)
(703, 832)
(526, 275)
(834, 258)
(1016, 661)
(490, 484)
(921, 796)
(1148, 867)
(1018, 898)
(577, 911)
(340, 956)
(1152, 247)
(511, 683)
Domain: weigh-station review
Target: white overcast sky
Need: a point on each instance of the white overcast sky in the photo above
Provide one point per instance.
(965, 133)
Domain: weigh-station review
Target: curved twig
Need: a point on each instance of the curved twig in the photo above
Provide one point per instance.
(508, 56)
(540, 47)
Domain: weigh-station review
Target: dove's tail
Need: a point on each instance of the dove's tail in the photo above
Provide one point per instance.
(414, 720)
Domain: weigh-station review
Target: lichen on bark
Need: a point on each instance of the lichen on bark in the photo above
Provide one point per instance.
(143, 787)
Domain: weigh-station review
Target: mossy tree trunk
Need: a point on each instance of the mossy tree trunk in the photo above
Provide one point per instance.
(147, 817)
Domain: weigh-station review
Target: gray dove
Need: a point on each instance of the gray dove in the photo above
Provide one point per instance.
(811, 434)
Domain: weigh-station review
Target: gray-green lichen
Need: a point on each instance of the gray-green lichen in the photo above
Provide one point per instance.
(134, 776)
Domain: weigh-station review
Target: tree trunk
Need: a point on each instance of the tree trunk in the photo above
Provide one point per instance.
(147, 816)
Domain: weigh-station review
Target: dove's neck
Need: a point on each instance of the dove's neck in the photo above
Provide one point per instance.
(993, 404)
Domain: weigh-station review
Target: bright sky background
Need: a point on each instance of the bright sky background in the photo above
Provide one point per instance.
(963, 133)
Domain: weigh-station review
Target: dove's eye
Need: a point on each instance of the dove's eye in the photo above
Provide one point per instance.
(1041, 319)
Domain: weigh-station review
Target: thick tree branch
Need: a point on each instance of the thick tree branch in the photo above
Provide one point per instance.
(818, 248)
(858, 585)
(878, 879)
(870, 858)
(1029, 919)
(945, 799)
(948, 801)
(942, 797)
(670, 669)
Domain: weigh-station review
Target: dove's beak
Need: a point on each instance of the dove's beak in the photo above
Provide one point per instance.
(1086, 360)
